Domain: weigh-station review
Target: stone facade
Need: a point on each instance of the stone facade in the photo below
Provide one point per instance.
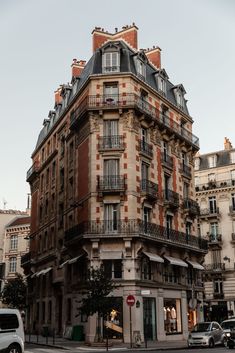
(215, 192)
(112, 183)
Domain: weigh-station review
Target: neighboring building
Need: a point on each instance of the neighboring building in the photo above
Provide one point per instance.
(112, 183)
(16, 244)
(215, 191)
(6, 216)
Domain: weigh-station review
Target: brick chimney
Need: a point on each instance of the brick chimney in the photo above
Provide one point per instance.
(58, 98)
(77, 67)
(127, 33)
(227, 144)
(154, 55)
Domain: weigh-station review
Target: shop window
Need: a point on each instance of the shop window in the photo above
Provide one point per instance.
(172, 316)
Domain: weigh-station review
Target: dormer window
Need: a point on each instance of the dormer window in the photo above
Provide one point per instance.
(111, 62)
(141, 69)
(197, 164)
(179, 92)
(232, 157)
(212, 161)
(161, 78)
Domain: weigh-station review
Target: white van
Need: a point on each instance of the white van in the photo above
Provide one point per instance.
(11, 331)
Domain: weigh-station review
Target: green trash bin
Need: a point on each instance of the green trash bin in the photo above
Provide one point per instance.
(77, 334)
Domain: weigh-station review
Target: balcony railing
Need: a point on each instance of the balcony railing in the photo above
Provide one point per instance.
(186, 170)
(135, 228)
(114, 142)
(167, 160)
(218, 295)
(146, 148)
(215, 238)
(32, 171)
(25, 259)
(132, 100)
(215, 184)
(109, 183)
(215, 267)
(192, 206)
(150, 188)
(171, 198)
(205, 212)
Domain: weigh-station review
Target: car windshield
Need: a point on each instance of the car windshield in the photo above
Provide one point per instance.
(228, 325)
(201, 327)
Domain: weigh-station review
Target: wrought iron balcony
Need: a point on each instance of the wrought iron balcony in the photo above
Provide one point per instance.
(167, 160)
(111, 183)
(186, 170)
(149, 188)
(209, 212)
(135, 228)
(32, 172)
(132, 101)
(25, 259)
(171, 198)
(191, 206)
(215, 267)
(215, 238)
(218, 295)
(215, 184)
(114, 142)
(146, 148)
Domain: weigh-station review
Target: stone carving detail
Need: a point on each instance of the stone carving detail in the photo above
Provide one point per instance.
(94, 123)
(130, 122)
(155, 135)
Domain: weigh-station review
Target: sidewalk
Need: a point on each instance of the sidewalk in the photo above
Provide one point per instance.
(62, 343)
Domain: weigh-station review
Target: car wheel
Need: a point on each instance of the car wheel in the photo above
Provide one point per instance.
(211, 343)
(14, 348)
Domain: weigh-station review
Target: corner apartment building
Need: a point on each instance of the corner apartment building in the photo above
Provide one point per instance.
(112, 183)
(215, 192)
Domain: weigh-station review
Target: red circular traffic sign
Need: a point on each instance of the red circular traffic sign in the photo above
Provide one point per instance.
(130, 300)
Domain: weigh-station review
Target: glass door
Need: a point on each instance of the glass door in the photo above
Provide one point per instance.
(149, 313)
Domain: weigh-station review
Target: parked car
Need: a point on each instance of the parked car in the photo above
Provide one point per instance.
(229, 330)
(206, 334)
(11, 331)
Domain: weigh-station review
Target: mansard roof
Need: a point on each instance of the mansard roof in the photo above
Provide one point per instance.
(94, 67)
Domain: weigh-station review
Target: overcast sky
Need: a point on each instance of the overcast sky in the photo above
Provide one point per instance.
(39, 39)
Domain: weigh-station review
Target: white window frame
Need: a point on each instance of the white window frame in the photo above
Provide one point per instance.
(111, 217)
(12, 264)
(14, 242)
(141, 68)
(162, 85)
(111, 62)
(212, 161)
(232, 156)
(197, 163)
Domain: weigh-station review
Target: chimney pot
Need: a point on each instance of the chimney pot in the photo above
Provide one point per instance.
(116, 29)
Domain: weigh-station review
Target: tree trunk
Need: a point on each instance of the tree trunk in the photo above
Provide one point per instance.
(98, 335)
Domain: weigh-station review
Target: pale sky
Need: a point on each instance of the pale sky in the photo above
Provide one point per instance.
(40, 38)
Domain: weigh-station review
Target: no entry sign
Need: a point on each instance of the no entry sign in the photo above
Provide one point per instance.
(130, 300)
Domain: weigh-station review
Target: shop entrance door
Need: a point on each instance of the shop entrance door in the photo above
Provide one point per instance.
(149, 313)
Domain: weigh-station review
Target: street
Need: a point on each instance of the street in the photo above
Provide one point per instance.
(30, 348)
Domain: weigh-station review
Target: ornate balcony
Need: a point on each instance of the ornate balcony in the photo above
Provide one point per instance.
(111, 183)
(215, 239)
(32, 172)
(146, 148)
(167, 161)
(132, 101)
(217, 267)
(107, 143)
(191, 207)
(149, 188)
(135, 228)
(209, 212)
(215, 184)
(171, 198)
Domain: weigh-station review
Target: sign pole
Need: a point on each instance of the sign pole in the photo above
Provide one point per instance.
(130, 327)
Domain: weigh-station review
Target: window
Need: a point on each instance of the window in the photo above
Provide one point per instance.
(184, 158)
(111, 93)
(171, 274)
(8, 321)
(146, 268)
(180, 99)
(188, 228)
(141, 69)
(111, 217)
(12, 264)
(169, 221)
(218, 286)
(216, 258)
(146, 218)
(111, 173)
(144, 171)
(113, 268)
(212, 161)
(232, 157)
(214, 231)
(233, 176)
(211, 177)
(197, 163)
(186, 190)
(212, 204)
(166, 186)
(62, 179)
(233, 202)
(165, 147)
(172, 316)
(111, 134)
(111, 62)
(14, 242)
(161, 85)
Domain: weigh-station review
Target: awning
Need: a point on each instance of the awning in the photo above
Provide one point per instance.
(175, 261)
(46, 271)
(111, 255)
(64, 263)
(42, 272)
(153, 257)
(74, 259)
(195, 265)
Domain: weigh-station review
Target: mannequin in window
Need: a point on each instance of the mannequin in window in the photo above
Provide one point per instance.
(173, 319)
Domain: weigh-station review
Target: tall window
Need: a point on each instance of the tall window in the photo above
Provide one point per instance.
(232, 157)
(111, 134)
(169, 221)
(141, 69)
(233, 201)
(212, 204)
(14, 242)
(12, 264)
(144, 171)
(216, 257)
(111, 217)
(186, 190)
(197, 163)
(233, 176)
(212, 161)
(218, 286)
(188, 228)
(111, 62)
(214, 230)
(113, 268)
(166, 186)
(111, 173)
(111, 92)
(165, 150)
(184, 159)
(161, 85)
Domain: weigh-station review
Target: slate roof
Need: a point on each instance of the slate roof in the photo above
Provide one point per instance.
(94, 67)
(222, 159)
